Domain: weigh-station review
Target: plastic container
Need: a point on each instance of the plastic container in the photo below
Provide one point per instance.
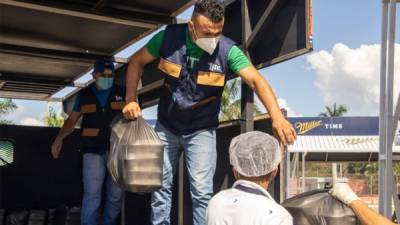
(143, 167)
(137, 154)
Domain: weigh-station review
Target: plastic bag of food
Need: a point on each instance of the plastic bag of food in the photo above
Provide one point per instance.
(136, 155)
(319, 207)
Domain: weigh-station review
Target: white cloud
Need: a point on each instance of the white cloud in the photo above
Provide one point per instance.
(29, 121)
(32, 112)
(290, 112)
(17, 114)
(351, 77)
(56, 106)
(282, 104)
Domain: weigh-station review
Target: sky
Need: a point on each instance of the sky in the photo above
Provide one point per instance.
(342, 69)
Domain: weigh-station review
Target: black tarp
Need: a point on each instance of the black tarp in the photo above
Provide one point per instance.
(36, 181)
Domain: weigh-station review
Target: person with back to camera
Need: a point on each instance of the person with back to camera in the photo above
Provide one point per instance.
(255, 157)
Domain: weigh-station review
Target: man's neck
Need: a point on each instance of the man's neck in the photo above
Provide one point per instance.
(263, 184)
(190, 35)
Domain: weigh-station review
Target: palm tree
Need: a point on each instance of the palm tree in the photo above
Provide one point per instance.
(7, 106)
(335, 111)
(52, 119)
(230, 104)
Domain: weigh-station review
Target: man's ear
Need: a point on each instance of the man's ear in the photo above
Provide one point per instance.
(190, 25)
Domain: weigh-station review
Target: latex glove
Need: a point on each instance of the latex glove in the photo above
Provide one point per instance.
(343, 192)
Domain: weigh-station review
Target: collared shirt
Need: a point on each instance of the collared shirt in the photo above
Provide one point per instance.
(246, 203)
(101, 95)
(237, 60)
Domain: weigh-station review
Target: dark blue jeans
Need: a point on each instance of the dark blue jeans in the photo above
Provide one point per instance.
(95, 177)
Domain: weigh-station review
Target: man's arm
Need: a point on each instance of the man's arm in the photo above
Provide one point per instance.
(67, 129)
(282, 127)
(367, 216)
(134, 72)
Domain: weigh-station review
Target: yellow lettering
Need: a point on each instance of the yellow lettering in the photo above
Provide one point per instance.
(307, 126)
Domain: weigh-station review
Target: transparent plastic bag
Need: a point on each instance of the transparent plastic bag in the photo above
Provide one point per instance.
(136, 155)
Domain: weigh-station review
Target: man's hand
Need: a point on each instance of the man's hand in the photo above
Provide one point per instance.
(67, 128)
(56, 148)
(133, 75)
(284, 130)
(343, 192)
(132, 110)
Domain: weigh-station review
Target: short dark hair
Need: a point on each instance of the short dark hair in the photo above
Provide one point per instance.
(212, 9)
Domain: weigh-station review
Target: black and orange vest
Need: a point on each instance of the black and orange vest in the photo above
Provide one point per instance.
(191, 98)
(96, 120)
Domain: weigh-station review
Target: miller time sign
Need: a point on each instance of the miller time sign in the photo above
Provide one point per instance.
(305, 127)
(339, 126)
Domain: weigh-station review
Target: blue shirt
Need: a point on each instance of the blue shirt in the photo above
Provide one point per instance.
(101, 95)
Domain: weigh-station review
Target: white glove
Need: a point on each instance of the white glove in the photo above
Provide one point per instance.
(343, 192)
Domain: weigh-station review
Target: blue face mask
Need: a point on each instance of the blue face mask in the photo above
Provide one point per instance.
(104, 83)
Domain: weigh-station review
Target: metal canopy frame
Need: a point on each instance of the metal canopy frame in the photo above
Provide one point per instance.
(85, 13)
(387, 117)
(265, 18)
(50, 53)
(247, 99)
(53, 40)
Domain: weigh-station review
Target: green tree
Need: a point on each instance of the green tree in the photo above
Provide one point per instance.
(230, 102)
(335, 111)
(317, 169)
(7, 106)
(52, 119)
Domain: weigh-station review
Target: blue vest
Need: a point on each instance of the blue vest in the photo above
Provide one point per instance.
(95, 127)
(191, 99)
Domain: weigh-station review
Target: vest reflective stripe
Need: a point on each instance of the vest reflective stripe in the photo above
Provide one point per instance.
(169, 68)
(211, 78)
(88, 108)
(117, 105)
(191, 98)
(95, 128)
(90, 132)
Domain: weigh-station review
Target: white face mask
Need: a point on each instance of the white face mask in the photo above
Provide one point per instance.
(207, 44)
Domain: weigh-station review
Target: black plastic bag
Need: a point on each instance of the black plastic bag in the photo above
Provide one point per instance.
(319, 207)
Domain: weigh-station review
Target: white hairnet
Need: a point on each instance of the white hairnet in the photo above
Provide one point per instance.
(254, 154)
